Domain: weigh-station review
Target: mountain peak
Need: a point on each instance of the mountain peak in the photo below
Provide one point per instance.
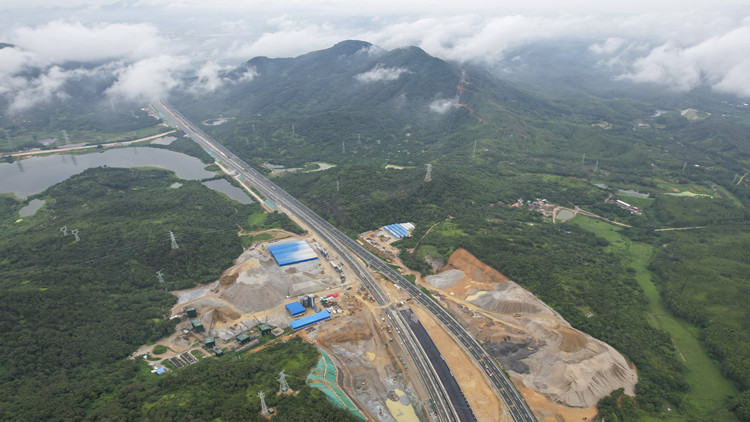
(349, 47)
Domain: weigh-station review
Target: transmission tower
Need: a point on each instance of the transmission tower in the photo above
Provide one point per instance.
(174, 242)
(343, 147)
(160, 276)
(283, 386)
(474, 154)
(683, 166)
(263, 407)
(428, 176)
(596, 167)
(253, 125)
(583, 158)
(337, 186)
(64, 230)
(733, 180)
(292, 129)
(74, 232)
(359, 139)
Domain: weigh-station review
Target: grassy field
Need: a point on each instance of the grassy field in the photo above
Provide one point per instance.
(709, 390)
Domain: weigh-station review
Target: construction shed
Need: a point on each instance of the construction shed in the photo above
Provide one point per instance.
(243, 338)
(197, 325)
(209, 342)
(295, 308)
(191, 312)
(399, 230)
(289, 253)
(265, 329)
(310, 320)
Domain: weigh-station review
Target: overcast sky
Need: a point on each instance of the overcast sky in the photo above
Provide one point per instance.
(678, 43)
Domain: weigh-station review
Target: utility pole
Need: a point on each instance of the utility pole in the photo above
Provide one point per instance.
(174, 242)
(428, 176)
(263, 407)
(283, 386)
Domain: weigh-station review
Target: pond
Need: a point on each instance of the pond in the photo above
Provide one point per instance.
(34, 175)
(223, 186)
(32, 208)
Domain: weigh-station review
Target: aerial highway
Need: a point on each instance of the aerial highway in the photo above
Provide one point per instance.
(444, 406)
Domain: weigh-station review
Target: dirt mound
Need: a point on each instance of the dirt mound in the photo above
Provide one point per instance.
(494, 302)
(477, 270)
(252, 298)
(533, 341)
(229, 276)
(445, 279)
(572, 340)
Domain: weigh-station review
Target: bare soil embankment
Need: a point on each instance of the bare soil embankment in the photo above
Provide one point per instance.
(566, 367)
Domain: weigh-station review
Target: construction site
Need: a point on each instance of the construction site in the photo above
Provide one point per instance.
(296, 287)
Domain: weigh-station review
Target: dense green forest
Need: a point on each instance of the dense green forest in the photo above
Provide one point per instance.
(72, 311)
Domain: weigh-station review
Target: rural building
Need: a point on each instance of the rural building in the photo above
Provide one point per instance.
(209, 342)
(191, 312)
(309, 320)
(218, 352)
(289, 253)
(632, 208)
(197, 325)
(295, 308)
(265, 329)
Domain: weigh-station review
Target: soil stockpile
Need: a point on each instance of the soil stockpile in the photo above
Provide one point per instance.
(533, 341)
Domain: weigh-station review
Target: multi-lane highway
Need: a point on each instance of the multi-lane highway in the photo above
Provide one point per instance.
(444, 406)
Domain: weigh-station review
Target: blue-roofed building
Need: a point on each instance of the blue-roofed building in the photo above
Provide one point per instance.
(399, 230)
(309, 320)
(295, 308)
(289, 253)
(160, 371)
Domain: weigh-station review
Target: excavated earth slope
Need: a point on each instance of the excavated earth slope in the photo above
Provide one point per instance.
(532, 341)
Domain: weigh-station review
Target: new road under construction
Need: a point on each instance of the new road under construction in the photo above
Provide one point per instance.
(448, 403)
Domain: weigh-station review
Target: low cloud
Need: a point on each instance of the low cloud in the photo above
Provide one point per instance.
(147, 79)
(380, 73)
(60, 41)
(609, 46)
(720, 62)
(442, 106)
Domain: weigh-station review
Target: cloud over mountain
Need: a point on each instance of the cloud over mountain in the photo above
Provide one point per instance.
(380, 73)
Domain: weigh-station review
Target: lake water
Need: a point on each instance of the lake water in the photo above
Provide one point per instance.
(34, 175)
(223, 186)
(32, 208)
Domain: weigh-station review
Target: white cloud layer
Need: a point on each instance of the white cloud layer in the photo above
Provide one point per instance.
(380, 73)
(721, 62)
(442, 106)
(682, 44)
(147, 79)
